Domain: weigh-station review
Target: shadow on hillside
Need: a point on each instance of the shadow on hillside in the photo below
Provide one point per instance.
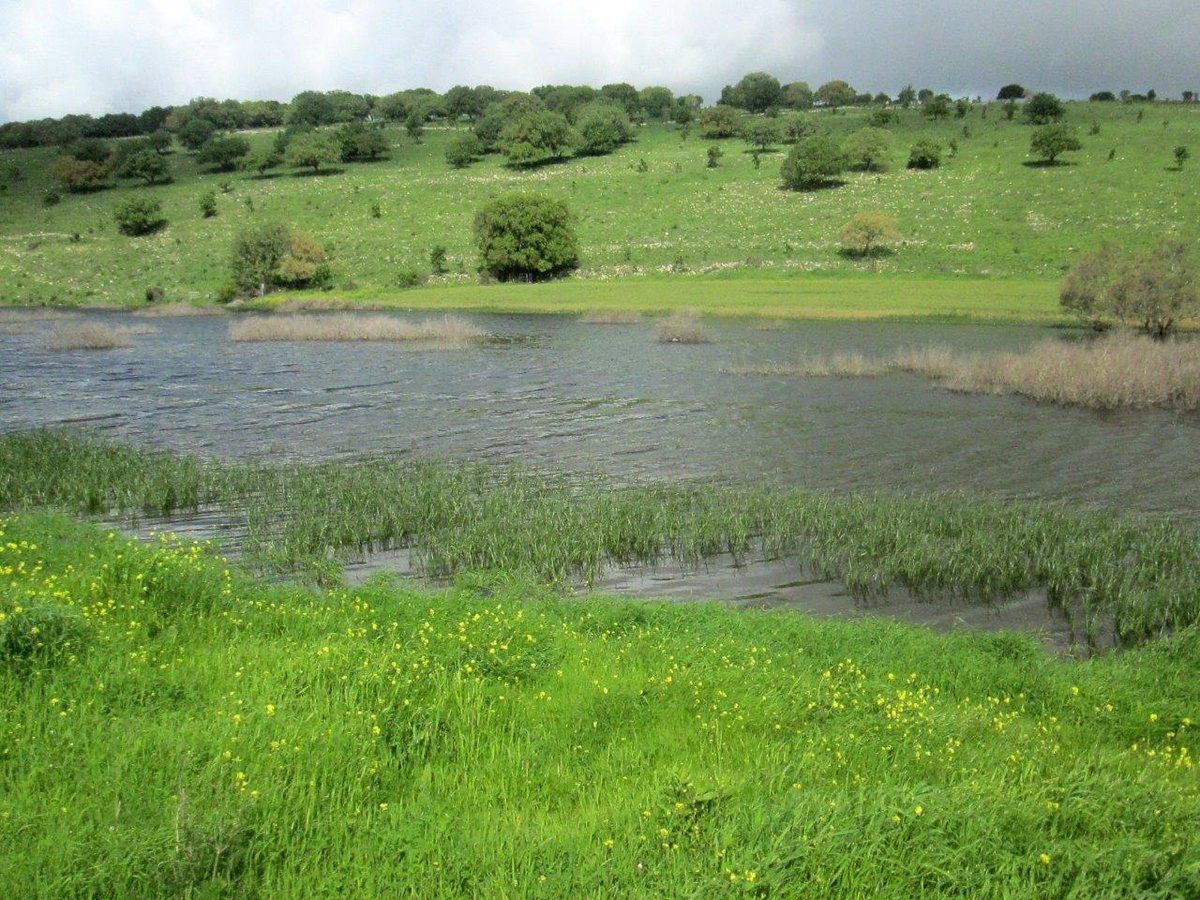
(309, 173)
(1048, 163)
(828, 185)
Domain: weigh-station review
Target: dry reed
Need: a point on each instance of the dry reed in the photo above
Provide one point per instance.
(611, 317)
(448, 332)
(88, 336)
(21, 316)
(682, 327)
(176, 310)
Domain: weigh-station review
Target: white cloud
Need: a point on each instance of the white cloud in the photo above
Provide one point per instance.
(96, 56)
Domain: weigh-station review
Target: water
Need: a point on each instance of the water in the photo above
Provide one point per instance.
(560, 395)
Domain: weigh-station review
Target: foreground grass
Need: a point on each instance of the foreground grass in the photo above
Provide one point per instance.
(1114, 578)
(983, 215)
(172, 728)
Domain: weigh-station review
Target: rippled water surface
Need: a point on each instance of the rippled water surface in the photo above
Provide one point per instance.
(558, 394)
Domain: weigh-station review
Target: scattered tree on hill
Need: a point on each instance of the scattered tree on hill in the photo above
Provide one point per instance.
(262, 159)
(1011, 92)
(907, 96)
(925, 154)
(720, 121)
(624, 95)
(602, 128)
(813, 163)
(502, 113)
(1103, 97)
(797, 128)
(77, 175)
(868, 233)
(159, 141)
(868, 148)
(91, 150)
(195, 132)
(266, 257)
(538, 138)
(1050, 141)
(835, 93)
(312, 150)
(208, 204)
(463, 150)
(656, 102)
(936, 107)
(1154, 289)
(882, 118)
(762, 133)
(525, 237)
(1044, 108)
(312, 108)
(361, 141)
(756, 93)
(146, 165)
(797, 95)
(138, 215)
(223, 152)
(962, 106)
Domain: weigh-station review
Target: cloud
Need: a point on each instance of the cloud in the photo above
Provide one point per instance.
(98, 56)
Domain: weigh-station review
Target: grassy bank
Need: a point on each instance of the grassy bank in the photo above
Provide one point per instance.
(983, 215)
(1113, 577)
(173, 728)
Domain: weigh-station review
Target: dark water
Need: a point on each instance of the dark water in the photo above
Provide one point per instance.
(560, 395)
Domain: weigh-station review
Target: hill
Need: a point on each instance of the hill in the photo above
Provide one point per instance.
(651, 210)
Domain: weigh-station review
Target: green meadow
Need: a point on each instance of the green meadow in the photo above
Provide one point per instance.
(174, 727)
(986, 236)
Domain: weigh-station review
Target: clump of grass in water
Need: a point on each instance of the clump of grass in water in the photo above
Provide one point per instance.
(90, 336)
(449, 332)
(176, 310)
(682, 327)
(21, 316)
(1104, 572)
(611, 317)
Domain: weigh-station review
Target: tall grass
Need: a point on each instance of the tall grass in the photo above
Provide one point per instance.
(611, 317)
(1121, 370)
(173, 728)
(682, 327)
(1114, 578)
(448, 332)
(88, 336)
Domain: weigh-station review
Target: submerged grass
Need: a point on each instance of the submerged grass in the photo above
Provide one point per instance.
(1117, 371)
(174, 728)
(1113, 577)
(683, 327)
(88, 336)
(448, 332)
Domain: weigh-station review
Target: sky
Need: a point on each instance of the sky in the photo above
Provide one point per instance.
(97, 56)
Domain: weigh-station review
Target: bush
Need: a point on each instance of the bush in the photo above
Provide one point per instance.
(869, 233)
(720, 122)
(525, 237)
(1051, 140)
(409, 277)
(271, 256)
(138, 215)
(812, 163)
(463, 151)
(925, 154)
(602, 127)
(208, 204)
(155, 294)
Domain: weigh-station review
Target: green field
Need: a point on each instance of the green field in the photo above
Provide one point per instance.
(987, 237)
(172, 727)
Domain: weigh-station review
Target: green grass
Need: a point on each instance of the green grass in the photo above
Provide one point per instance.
(1115, 578)
(988, 236)
(174, 728)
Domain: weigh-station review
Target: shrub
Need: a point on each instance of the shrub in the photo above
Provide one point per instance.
(77, 175)
(208, 204)
(155, 294)
(1043, 108)
(409, 277)
(1051, 140)
(437, 260)
(720, 122)
(463, 151)
(868, 148)
(602, 127)
(868, 233)
(814, 162)
(714, 156)
(271, 256)
(138, 215)
(526, 237)
(925, 154)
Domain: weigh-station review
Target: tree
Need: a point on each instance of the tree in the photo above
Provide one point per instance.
(159, 140)
(624, 95)
(812, 163)
(936, 107)
(835, 93)
(311, 108)
(868, 233)
(602, 127)
(1154, 289)
(77, 175)
(1051, 140)
(867, 148)
(525, 237)
(270, 256)
(797, 95)
(312, 150)
(361, 141)
(797, 128)
(223, 152)
(1044, 108)
(1182, 155)
(656, 102)
(196, 132)
(1011, 92)
(138, 215)
(756, 93)
(907, 96)
(1103, 97)
(463, 151)
(146, 165)
(925, 154)
(762, 133)
(502, 113)
(262, 159)
(720, 121)
(538, 138)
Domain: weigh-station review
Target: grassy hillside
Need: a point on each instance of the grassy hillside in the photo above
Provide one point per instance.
(172, 728)
(984, 216)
